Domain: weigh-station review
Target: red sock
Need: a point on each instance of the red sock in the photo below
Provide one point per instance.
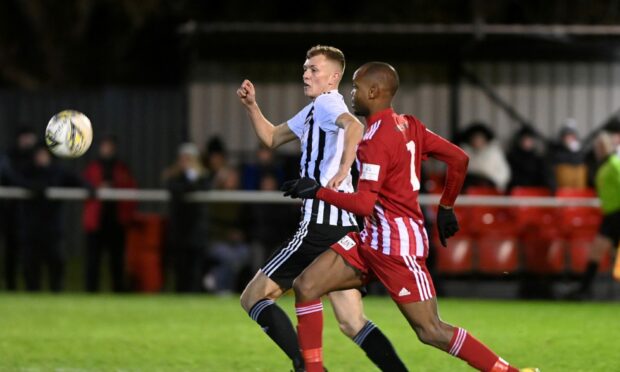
(476, 354)
(310, 333)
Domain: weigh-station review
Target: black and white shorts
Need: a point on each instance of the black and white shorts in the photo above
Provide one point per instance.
(308, 242)
(610, 227)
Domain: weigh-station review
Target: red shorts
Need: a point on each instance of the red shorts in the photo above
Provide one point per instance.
(405, 277)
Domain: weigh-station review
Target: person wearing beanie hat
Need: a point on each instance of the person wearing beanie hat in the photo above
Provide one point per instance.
(487, 163)
(527, 166)
(568, 158)
(613, 128)
(187, 227)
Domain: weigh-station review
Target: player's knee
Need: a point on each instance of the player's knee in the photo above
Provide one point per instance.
(250, 296)
(245, 301)
(304, 289)
(425, 336)
(431, 334)
(351, 327)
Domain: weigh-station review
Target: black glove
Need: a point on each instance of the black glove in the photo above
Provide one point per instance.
(447, 225)
(303, 188)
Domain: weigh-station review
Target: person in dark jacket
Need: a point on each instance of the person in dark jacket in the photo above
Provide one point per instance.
(18, 159)
(40, 220)
(568, 159)
(264, 163)
(259, 220)
(105, 223)
(528, 167)
(187, 221)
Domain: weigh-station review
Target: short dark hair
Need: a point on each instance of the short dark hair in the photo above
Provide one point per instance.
(478, 127)
(383, 74)
(329, 52)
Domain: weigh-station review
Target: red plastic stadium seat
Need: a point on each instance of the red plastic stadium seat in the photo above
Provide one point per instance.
(527, 218)
(463, 216)
(580, 220)
(570, 192)
(542, 255)
(483, 218)
(482, 190)
(530, 191)
(497, 254)
(457, 257)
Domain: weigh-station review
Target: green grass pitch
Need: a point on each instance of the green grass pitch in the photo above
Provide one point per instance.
(73, 333)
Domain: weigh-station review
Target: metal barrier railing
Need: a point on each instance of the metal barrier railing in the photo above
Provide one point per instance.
(161, 195)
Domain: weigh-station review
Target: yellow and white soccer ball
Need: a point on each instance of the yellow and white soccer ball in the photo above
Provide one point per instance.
(69, 134)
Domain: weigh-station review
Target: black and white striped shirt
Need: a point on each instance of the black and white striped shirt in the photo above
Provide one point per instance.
(322, 142)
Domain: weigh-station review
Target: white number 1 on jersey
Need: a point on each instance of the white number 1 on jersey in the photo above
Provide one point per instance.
(415, 182)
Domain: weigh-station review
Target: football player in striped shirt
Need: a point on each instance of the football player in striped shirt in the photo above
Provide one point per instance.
(393, 245)
(329, 135)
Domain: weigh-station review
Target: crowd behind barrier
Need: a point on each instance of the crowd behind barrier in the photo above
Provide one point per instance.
(530, 214)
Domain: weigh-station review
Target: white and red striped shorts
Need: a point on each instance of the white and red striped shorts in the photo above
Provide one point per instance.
(405, 277)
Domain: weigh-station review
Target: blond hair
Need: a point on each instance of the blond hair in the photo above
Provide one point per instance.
(330, 52)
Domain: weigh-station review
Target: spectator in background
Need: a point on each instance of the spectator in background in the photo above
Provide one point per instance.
(18, 160)
(215, 157)
(264, 163)
(528, 167)
(487, 163)
(187, 227)
(229, 249)
(106, 222)
(40, 220)
(608, 188)
(21, 155)
(568, 158)
(9, 267)
(613, 128)
(260, 219)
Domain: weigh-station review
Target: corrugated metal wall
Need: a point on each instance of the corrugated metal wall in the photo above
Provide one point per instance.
(544, 93)
(216, 110)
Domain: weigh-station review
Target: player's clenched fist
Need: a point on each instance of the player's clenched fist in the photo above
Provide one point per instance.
(247, 93)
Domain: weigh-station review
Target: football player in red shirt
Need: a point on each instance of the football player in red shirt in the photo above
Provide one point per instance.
(393, 245)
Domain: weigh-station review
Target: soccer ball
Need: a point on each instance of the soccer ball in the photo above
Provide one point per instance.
(68, 134)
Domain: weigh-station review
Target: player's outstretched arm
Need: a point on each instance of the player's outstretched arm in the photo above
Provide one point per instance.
(271, 135)
(360, 203)
(353, 132)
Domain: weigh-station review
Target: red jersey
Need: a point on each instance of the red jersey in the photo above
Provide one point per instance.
(390, 157)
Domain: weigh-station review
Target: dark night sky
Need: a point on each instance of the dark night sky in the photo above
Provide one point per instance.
(136, 42)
